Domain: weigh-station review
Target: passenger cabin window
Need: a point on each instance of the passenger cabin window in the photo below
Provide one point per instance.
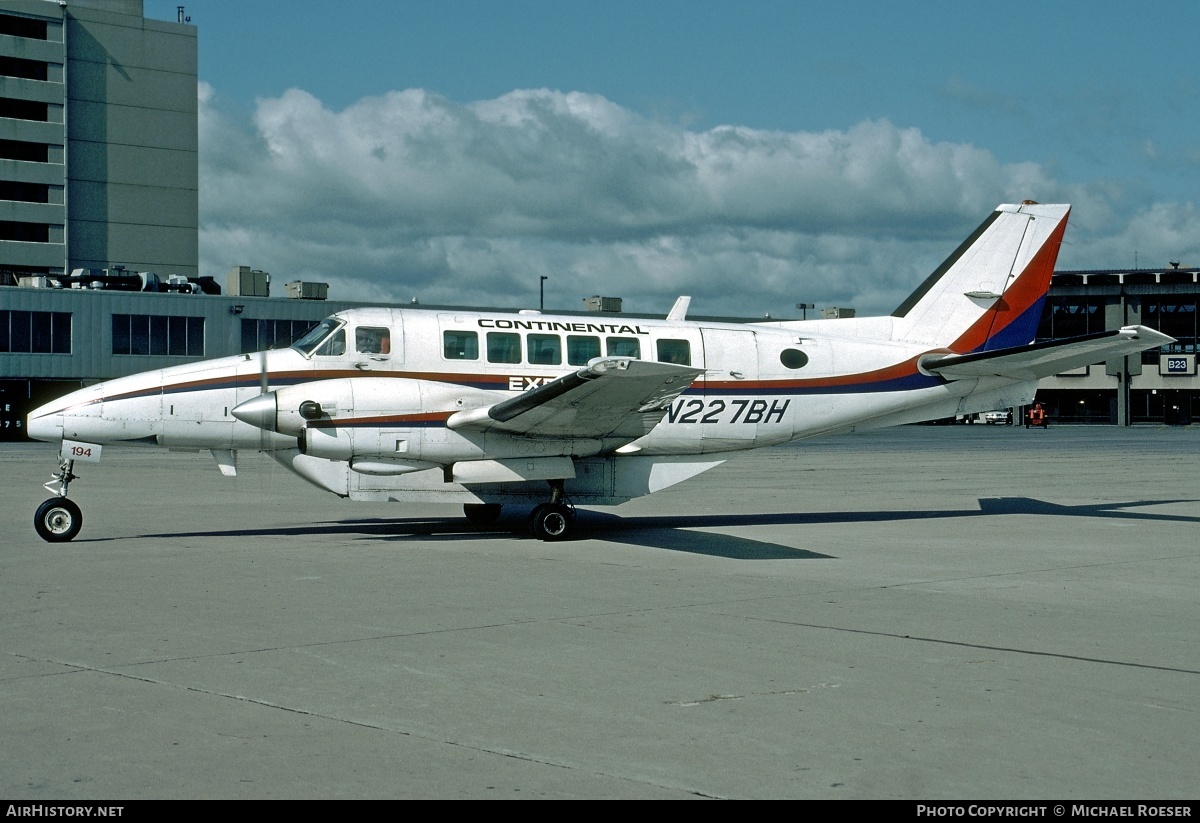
(544, 349)
(793, 358)
(581, 349)
(460, 345)
(372, 340)
(626, 347)
(675, 351)
(503, 347)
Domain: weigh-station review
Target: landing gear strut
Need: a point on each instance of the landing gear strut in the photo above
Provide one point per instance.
(554, 520)
(58, 519)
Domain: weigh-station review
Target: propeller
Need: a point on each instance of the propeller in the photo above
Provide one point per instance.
(264, 388)
(260, 411)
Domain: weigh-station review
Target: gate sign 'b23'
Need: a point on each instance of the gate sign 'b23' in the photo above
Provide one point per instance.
(491, 408)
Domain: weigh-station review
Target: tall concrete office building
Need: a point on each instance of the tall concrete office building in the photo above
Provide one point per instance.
(98, 139)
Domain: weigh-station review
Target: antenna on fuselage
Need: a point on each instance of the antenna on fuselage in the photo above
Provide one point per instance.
(678, 312)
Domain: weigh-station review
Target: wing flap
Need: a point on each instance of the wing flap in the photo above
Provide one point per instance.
(1039, 360)
(613, 397)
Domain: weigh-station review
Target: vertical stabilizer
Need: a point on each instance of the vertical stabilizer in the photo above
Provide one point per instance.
(989, 293)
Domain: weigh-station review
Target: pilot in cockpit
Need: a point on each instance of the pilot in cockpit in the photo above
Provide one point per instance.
(372, 340)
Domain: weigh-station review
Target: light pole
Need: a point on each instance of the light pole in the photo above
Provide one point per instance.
(542, 293)
(804, 307)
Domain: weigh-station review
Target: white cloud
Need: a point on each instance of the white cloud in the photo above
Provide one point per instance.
(409, 194)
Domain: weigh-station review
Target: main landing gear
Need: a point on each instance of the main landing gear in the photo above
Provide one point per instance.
(58, 519)
(554, 520)
(548, 521)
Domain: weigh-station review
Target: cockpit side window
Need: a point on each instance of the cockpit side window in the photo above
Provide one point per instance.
(372, 340)
(321, 336)
(333, 346)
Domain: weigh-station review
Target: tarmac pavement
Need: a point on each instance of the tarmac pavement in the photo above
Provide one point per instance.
(923, 613)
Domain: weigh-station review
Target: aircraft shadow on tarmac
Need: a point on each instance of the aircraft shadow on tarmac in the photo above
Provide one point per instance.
(680, 532)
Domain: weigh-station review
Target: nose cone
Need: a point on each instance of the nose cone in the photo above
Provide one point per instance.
(44, 423)
(258, 411)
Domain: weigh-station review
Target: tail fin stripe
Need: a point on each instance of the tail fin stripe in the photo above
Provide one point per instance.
(1014, 319)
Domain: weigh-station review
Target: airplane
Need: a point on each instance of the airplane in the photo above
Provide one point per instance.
(550, 411)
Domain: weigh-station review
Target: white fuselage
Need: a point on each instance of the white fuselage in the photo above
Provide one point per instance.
(390, 378)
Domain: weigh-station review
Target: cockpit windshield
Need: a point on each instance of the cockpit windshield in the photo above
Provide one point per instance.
(327, 338)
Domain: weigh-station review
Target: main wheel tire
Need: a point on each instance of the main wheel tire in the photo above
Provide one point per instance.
(481, 514)
(58, 520)
(551, 521)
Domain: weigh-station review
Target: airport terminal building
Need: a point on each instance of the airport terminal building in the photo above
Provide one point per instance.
(1157, 386)
(98, 139)
(99, 272)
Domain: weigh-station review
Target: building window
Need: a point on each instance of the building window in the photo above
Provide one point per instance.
(35, 332)
(24, 109)
(26, 27)
(1071, 317)
(24, 150)
(1174, 317)
(25, 69)
(258, 335)
(460, 345)
(24, 232)
(24, 192)
(153, 334)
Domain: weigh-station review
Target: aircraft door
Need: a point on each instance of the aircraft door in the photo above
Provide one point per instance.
(731, 409)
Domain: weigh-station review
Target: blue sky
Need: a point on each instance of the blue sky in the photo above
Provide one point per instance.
(752, 154)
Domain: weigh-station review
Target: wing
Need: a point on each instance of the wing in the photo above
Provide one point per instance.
(614, 397)
(1039, 360)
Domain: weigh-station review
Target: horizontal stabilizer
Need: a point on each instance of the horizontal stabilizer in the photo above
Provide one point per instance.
(613, 397)
(1039, 360)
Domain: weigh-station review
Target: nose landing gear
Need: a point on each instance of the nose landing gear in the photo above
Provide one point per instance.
(58, 519)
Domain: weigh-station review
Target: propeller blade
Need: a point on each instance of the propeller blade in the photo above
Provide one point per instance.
(262, 372)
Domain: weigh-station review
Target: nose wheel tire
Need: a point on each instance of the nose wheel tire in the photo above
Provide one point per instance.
(58, 520)
(551, 521)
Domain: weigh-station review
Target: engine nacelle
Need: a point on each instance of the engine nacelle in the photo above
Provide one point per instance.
(345, 442)
(377, 421)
